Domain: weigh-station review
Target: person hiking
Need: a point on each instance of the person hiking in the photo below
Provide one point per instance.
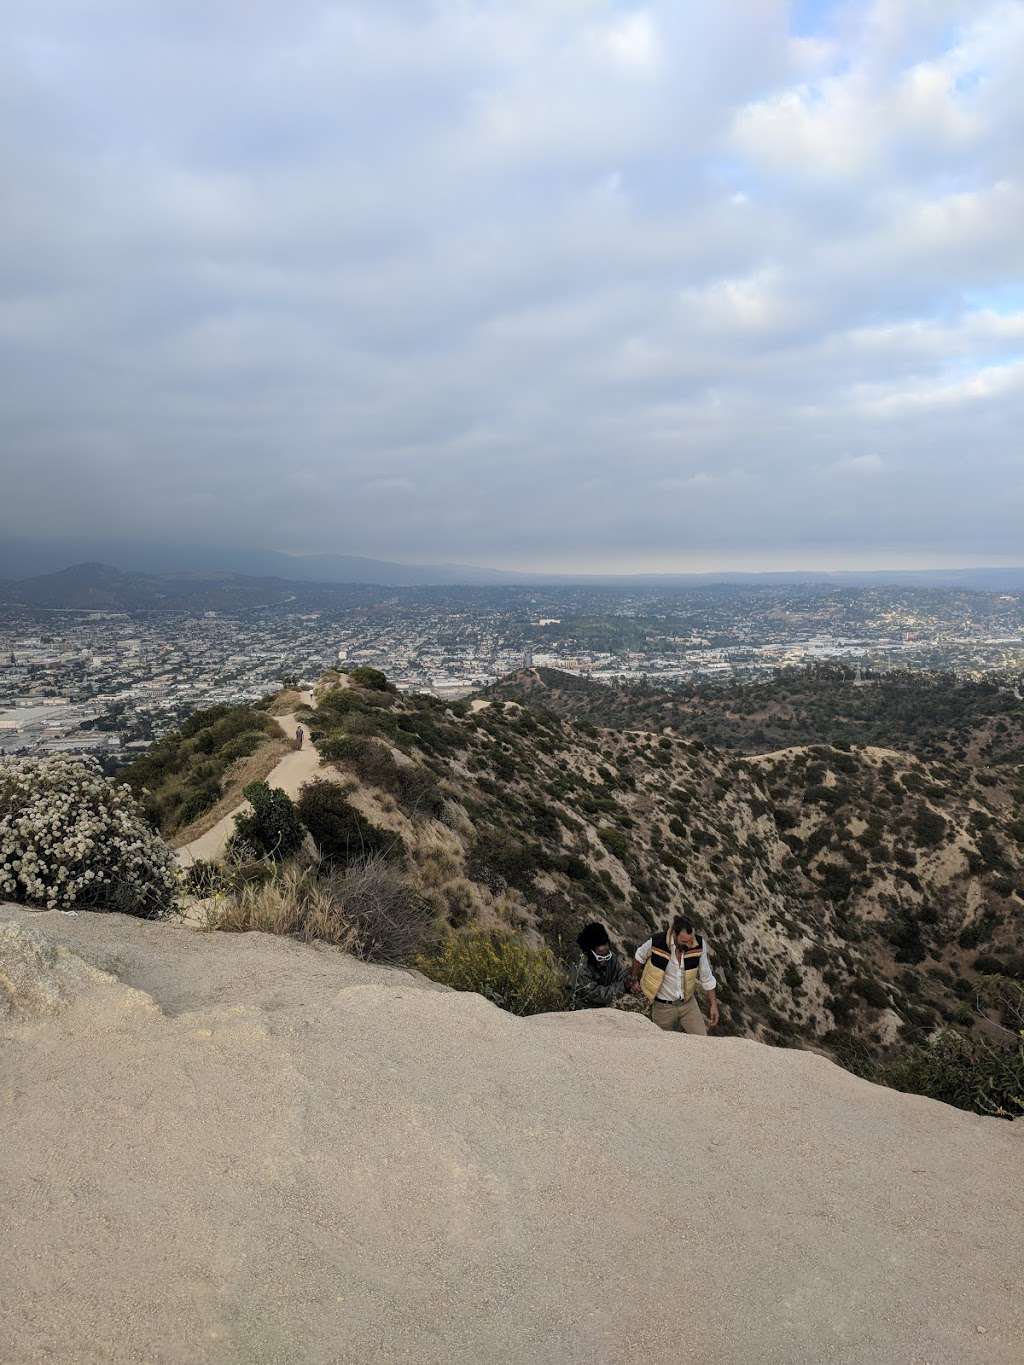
(600, 976)
(298, 736)
(667, 970)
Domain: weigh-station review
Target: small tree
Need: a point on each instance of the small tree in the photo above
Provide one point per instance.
(272, 829)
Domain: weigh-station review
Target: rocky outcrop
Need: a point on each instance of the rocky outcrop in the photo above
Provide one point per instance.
(238, 1149)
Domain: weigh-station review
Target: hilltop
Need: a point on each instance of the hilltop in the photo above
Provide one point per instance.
(281, 1154)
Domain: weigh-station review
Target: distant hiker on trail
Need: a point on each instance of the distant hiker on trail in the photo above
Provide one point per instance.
(601, 976)
(298, 737)
(667, 969)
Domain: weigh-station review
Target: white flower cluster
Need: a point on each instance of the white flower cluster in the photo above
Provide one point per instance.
(70, 837)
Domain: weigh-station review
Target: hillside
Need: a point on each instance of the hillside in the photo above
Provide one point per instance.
(850, 896)
(191, 776)
(282, 1154)
(932, 715)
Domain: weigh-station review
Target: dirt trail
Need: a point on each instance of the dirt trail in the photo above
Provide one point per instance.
(294, 769)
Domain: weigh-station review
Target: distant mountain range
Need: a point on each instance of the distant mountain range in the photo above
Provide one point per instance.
(99, 587)
(22, 561)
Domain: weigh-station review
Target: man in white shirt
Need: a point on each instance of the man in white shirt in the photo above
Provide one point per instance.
(667, 969)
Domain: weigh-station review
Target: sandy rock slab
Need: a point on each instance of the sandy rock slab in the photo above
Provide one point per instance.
(242, 1150)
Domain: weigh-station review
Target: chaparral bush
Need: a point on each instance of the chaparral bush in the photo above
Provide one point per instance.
(970, 1073)
(518, 978)
(272, 829)
(69, 838)
(340, 832)
(371, 678)
(368, 908)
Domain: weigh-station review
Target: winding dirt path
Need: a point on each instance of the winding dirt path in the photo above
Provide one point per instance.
(295, 769)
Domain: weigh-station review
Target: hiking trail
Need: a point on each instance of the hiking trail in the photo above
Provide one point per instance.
(294, 770)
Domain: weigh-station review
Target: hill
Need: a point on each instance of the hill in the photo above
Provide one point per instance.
(281, 1154)
(188, 778)
(99, 587)
(851, 896)
(21, 557)
(932, 715)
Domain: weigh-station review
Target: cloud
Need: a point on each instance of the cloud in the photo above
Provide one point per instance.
(528, 284)
(860, 466)
(387, 488)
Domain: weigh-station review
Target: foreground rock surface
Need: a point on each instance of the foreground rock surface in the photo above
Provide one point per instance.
(242, 1149)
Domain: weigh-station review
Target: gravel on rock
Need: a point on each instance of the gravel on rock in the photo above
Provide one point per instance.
(241, 1150)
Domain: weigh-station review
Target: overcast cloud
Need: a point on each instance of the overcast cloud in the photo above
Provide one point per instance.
(559, 283)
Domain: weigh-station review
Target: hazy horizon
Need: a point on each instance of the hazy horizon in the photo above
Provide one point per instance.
(25, 560)
(574, 286)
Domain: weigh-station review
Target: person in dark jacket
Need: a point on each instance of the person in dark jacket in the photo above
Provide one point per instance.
(600, 976)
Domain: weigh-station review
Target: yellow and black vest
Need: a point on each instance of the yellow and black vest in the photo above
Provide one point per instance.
(661, 956)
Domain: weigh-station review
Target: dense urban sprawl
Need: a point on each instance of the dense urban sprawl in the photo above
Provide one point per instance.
(108, 682)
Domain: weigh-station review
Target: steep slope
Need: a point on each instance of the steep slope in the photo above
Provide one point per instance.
(192, 777)
(522, 821)
(293, 770)
(920, 864)
(846, 892)
(281, 1154)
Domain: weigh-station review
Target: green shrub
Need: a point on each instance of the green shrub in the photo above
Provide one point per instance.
(816, 956)
(614, 841)
(504, 969)
(242, 745)
(338, 748)
(929, 826)
(339, 701)
(498, 857)
(412, 786)
(202, 720)
(370, 678)
(203, 879)
(836, 881)
(871, 990)
(272, 829)
(196, 800)
(341, 833)
(969, 1073)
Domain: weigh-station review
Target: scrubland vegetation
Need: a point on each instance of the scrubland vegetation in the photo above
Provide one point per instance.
(931, 715)
(186, 772)
(858, 899)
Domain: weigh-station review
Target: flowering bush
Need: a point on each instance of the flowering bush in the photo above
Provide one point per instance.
(68, 837)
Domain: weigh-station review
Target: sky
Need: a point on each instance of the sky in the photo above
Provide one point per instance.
(567, 284)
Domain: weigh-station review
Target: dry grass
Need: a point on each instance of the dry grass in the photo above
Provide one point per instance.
(286, 702)
(294, 903)
(369, 909)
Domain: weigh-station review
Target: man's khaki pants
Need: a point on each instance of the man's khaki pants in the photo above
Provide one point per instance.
(679, 1016)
